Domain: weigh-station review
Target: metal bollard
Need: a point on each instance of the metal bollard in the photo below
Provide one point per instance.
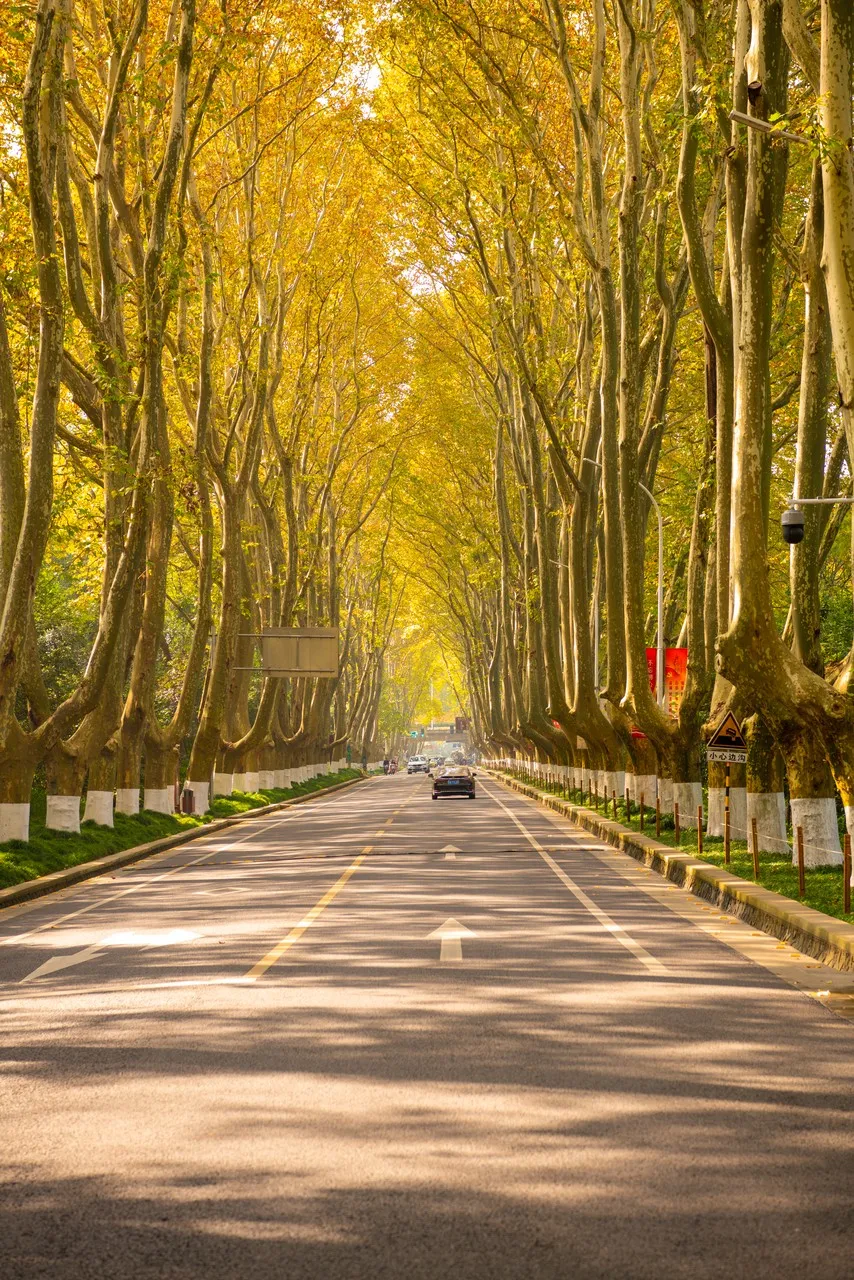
(699, 831)
(802, 879)
(657, 818)
(755, 834)
(614, 800)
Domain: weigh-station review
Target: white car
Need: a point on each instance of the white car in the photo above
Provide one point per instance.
(417, 764)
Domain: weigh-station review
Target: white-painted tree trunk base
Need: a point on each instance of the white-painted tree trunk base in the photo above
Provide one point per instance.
(279, 779)
(665, 795)
(63, 814)
(615, 782)
(688, 795)
(99, 808)
(127, 800)
(239, 782)
(737, 812)
(266, 779)
(201, 794)
(223, 784)
(14, 822)
(252, 780)
(769, 810)
(159, 799)
(817, 817)
(645, 784)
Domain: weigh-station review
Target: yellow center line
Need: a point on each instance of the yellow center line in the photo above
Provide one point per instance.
(266, 962)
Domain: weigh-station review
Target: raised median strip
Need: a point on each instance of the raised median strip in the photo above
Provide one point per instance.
(812, 932)
(41, 885)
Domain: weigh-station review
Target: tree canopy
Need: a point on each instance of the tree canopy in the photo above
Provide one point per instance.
(409, 319)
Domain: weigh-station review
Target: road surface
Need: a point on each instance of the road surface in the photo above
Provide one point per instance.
(378, 1036)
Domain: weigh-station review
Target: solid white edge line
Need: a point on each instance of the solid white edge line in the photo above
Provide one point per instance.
(610, 926)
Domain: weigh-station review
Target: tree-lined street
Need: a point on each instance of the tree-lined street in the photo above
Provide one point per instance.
(389, 389)
(264, 1066)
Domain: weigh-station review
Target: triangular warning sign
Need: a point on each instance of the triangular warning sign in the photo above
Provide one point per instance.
(728, 734)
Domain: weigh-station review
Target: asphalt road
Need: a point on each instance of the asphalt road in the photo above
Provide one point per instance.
(327, 1045)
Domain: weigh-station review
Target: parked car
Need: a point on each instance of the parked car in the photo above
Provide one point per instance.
(417, 764)
(457, 780)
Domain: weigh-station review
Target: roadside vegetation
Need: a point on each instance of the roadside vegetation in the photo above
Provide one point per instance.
(48, 851)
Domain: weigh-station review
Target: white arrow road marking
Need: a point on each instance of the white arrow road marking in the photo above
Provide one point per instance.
(450, 851)
(126, 939)
(451, 935)
(63, 962)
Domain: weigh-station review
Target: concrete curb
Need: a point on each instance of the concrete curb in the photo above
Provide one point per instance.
(812, 932)
(43, 885)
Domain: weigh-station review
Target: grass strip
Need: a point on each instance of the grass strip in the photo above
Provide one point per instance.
(48, 851)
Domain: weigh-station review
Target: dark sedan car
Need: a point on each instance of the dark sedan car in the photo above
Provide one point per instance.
(456, 781)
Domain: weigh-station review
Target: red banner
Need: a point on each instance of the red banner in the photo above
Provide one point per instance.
(675, 675)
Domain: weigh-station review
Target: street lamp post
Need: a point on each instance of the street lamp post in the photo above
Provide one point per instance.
(659, 647)
(792, 521)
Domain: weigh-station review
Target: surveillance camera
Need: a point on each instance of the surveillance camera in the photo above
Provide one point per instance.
(792, 524)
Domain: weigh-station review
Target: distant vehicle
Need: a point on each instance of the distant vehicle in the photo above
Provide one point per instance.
(417, 764)
(457, 780)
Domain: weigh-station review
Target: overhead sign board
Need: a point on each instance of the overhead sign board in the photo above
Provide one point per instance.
(299, 651)
(727, 744)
